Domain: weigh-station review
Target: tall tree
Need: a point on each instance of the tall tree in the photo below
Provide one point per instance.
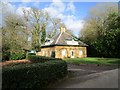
(13, 35)
(56, 24)
(43, 34)
(94, 26)
(101, 31)
(27, 27)
(37, 19)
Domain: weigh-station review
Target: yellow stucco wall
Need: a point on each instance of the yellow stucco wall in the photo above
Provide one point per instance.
(64, 51)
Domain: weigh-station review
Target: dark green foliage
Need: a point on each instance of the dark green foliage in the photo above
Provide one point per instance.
(36, 75)
(35, 58)
(43, 32)
(5, 53)
(31, 54)
(13, 55)
(107, 45)
(36, 41)
(17, 55)
(53, 54)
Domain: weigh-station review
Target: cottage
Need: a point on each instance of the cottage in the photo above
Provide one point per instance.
(64, 46)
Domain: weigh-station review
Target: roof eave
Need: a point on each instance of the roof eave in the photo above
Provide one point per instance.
(62, 45)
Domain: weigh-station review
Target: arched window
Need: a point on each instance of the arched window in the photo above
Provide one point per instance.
(63, 52)
(72, 53)
(43, 53)
(80, 52)
(46, 53)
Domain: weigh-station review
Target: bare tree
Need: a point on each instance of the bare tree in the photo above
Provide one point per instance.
(56, 23)
(38, 19)
(94, 26)
(14, 36)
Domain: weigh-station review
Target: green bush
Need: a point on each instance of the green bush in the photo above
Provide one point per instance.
(35, 58)
(29, 54)
(36, 75)
(17, 55)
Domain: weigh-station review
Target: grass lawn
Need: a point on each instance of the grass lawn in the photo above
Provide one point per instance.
(90, 60)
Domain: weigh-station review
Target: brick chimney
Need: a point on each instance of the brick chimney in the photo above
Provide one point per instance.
(62, 29)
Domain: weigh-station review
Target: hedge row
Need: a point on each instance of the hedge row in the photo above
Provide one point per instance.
(34, 75)
(35, 58)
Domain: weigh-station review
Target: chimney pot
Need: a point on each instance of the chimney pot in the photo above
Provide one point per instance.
(62, 29)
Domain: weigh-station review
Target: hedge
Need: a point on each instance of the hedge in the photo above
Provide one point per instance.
(35, 58)
(35, 75)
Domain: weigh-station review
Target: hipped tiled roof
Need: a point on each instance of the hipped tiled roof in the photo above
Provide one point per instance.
(61, 38)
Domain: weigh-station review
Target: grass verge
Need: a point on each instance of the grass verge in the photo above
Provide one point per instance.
(89, 60)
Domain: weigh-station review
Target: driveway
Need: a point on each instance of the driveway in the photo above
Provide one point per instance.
(89, 77)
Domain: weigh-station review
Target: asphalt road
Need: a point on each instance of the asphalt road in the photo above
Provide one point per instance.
(106, 79)
(80, 78)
